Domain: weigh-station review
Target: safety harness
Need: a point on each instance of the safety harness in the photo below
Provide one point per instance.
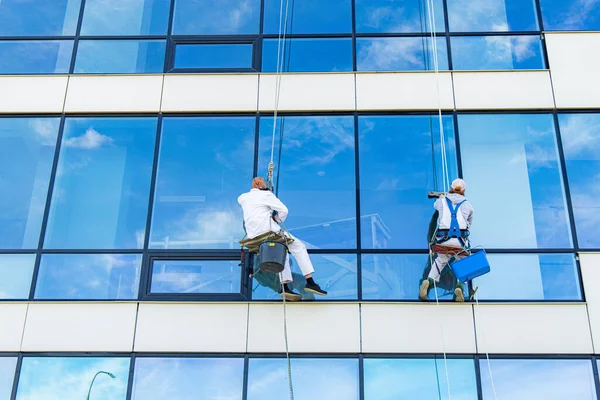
(454, 231)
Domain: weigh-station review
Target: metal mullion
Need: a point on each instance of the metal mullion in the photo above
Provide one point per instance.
(214, 38)
(17, 375)
(353, 13)
(476, 360)
(91, 251)
(447, 35)
(496, 33)
(77, 34)
(596, 378)
(123, 37)
(357, 207)
(311, 36)
(396, 35)
(35, 38)
(171, 19)
(131, 377)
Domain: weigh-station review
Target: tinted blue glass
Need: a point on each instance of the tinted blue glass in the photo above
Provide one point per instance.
(423, 379)
(395, 211)
(510, 164)
(188, 378)
(492, 15)
(235, 56)
(101, 193)
(38, 18)
(204, 165)
(196, 276)
(315, 176)
(216, 17)
(69, 378)
(7, 375)
(310, 16)
(117, 17)
(497, 52)
(35, 57)
(530, 277)
(331, 378)
(16, 271)
(539, 379)
(573, 15)
(400, 54)
(88, 276)
(120, 56)
(580, 135)
(27, 147)
(309, 55)
(397, 16)
(336, 273)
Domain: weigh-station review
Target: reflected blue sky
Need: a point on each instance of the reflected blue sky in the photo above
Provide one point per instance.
(16, 271)
(571, 14)
(120, 56)
(400, 54)
(310, 16)
(35, 56)
(216, 17)
(492, 15)
(7, 376)
(497, 52)
(196, 276)
(42, 18)
(188, 379)
(118, 17)
(397, 16)
(309, 55)
(214, 56)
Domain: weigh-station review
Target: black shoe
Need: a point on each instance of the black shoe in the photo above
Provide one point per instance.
(315, 288)
(290, 295)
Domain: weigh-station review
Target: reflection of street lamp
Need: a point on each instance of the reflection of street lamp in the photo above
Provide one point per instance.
(92, 383)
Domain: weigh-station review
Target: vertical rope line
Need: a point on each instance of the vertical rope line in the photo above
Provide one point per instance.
(487, 355)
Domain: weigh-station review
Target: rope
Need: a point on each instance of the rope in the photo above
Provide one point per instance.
(487, 356)
(285, 335)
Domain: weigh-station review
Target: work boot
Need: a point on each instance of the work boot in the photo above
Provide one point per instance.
(458, 293)
(289, 294)
(314, 287)
(425, 287)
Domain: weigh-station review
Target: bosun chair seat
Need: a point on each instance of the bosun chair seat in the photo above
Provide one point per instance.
(253, 244)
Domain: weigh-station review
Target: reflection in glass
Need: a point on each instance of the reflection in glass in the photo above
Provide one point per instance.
(510, 164)
(397, 16)
(551, 277)
(100, 197)
(39, 18)
(336, 274)
(188, 378)
(7, 376)
(69, 378)
(216, 17)
(204, 165)
(195, 276)
(570, 15)
(217, 56)
(118, 17)
(331, 378)
(120, 56)
(16, 271)
(395, 210)
(35, 56)
(497, 52)
(400, 54)
(27, 147)
(492, 15)
(88, 276)
(423, 379)
(309, 55)
(580, 135)
(310, 16)
(538, 379)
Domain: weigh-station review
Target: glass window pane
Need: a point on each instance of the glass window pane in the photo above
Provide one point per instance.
(101, 193)
(16, 271)
(571, 15)
(315, 176)
(492, 15)
(39, 18)
(497, 52)
(580, 135)
(336, 273)
(188, 378)
(400, 54)
(27, 147)
(397, 16)
(88, 276)
(330, 378)
(514, 181)
(204, 165)
(309, 55)
(120, 56)
(310, 16)
(530, 277)
(214, 56)
(69, 378)
(539, 379)
(117, 17)
(216, 17)
(196, 276)
(7, 376)
(423, 379)
(35, 56)
(395, 210)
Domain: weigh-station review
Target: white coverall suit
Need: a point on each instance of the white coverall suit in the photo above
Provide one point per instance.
(258, 206)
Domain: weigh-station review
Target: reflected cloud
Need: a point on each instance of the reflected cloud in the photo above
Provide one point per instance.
(480, 15)
(579, 14)
(46, 130)
(219, 16)
(581, 135)
(90, 140)
(394, 54)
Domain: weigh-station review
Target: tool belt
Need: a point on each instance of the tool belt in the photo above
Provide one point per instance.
(253, 244)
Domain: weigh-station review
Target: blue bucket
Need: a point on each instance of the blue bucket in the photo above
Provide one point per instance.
(471, 267)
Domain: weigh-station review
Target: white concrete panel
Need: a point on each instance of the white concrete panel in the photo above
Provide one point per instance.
(187, 93)
(312, 328)
(204, 327)
(12, 322)
(80, 327)
(590, 273)
(503, 90)
(32, 94)
(308, 92)
(403, 91)
(574, 60)
(117, 94)
(533, 328)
